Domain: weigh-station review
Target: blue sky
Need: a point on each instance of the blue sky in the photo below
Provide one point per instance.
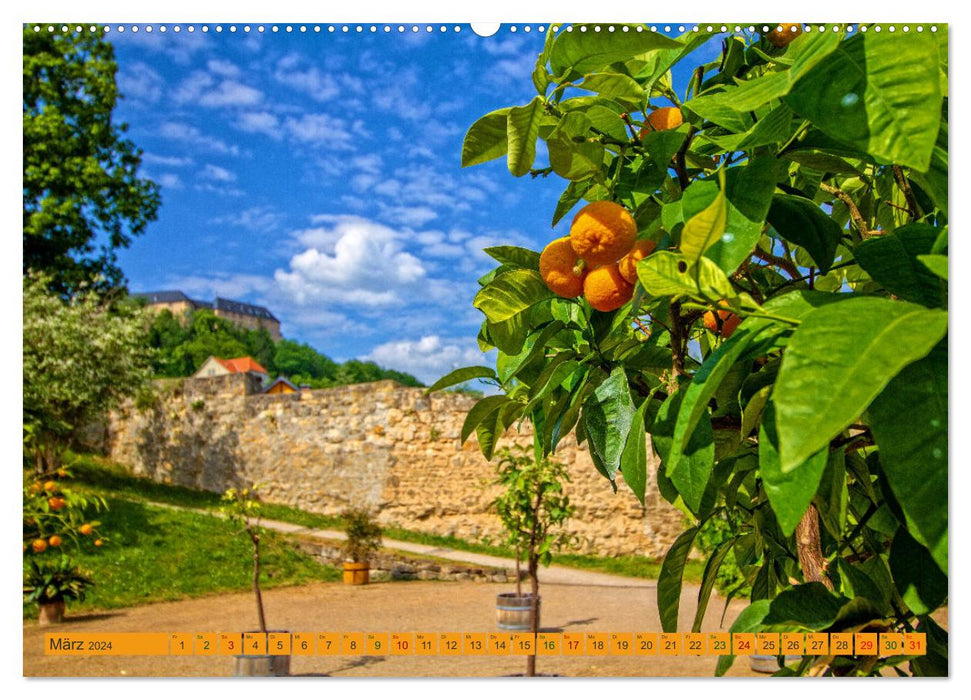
(318, 174)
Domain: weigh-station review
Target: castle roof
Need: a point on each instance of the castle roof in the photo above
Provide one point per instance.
(239, 307)
(167, 297)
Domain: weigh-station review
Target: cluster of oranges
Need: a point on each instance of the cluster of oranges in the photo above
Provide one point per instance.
(598, 259)
(56, 502)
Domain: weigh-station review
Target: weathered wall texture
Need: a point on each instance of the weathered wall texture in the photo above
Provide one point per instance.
(381, 445)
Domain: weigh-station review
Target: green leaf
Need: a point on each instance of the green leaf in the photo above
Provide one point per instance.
(892, 261)
(801, 221)
(486, 139)
(832, 497)
(934, 179)
(691, 472)
(607, 417)
(537, 346)
(510, 294)
(810, 606)
(571, 156)
(838, 360)
(509, 335)
(789, 492)
(522, 127)
(460, 376)
(571, 195)
(663, 145)
(708, 580)
(479, 412)
(806, 51)
(494, 425)
(704, 228)
(515, 256)
(668, 274)
(774, 127)
(633, 460)
(936, 264)
(917, 577)
(879, 93)
(614, 85)
(909, 423)
(577, 52)
(669, 580)
(749, 340)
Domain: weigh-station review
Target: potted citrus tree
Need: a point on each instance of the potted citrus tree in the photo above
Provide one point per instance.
(50, 583)
(242, 506)
(532, 508)
(363, 540)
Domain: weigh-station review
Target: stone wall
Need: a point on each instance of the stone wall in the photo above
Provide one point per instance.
(381, 445)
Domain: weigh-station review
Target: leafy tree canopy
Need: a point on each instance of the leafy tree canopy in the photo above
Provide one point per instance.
(83, 199)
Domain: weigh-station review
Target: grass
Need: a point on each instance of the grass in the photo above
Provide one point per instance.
(156, 554)
(113, 480)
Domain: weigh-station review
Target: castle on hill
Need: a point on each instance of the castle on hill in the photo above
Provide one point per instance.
(241, 313)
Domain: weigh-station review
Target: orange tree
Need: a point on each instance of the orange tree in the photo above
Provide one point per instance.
(796, 195)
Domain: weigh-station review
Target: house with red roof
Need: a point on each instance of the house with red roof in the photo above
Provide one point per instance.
(217, 367)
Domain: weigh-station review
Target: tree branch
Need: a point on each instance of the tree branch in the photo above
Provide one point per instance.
(780, 262)
(851, 205)
(904, 184)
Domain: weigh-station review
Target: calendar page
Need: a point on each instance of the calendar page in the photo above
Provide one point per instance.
(445, 350)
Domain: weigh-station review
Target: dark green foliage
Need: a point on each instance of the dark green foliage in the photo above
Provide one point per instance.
(83, 199)
(184, 344)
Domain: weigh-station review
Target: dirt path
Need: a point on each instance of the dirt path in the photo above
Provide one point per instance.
(626, 605)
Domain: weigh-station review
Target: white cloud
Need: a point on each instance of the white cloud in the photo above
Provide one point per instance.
(253, 219)
(428, 358)
(260, 122)
(201, 88)
(226, 69)
(319, 129)
(217, 174)
(139, 82)
(170, 181)
(356, 262)
(192, 136)
(169, 161)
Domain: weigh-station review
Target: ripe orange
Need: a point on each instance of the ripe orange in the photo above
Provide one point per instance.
(783, 34)
(602, 233)
(628, 263)
(54, 541)
(605, 288)
(39, 545)
(558, 268)
(664, 118)
(50, 486)
(98, 543)
(36, 487)
(85, 529)
(725, 323)
(56, 503)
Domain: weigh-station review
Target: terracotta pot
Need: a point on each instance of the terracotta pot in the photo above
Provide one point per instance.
(51, 613)
(357, 573)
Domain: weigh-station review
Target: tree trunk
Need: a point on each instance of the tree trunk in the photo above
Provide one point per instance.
(519, 575)
(809, 548)
(533, 613)
(256, 579)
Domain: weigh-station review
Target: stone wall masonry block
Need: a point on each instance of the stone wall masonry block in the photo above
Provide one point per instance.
(380, 445)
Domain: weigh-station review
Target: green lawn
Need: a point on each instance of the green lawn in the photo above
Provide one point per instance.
(153, 554)
(113, 480)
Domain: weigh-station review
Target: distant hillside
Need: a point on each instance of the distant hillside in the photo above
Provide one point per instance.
(184, 347)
